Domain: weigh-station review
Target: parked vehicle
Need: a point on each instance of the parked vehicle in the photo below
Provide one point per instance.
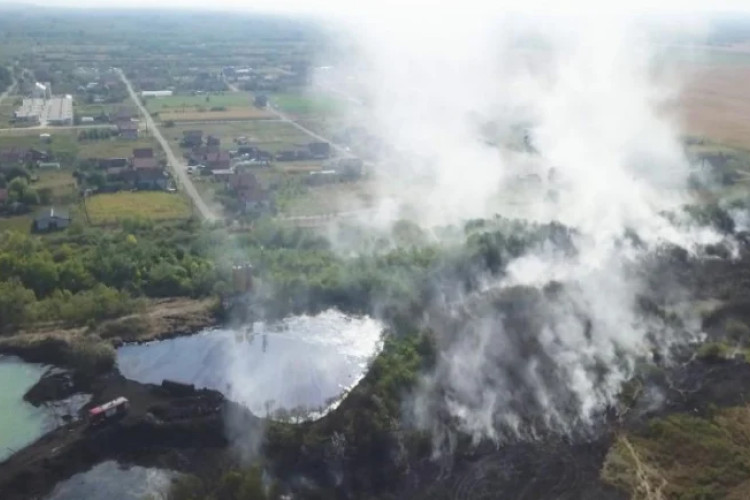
(112, 410)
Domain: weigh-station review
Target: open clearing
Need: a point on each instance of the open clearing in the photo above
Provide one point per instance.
(66, 146)
(206, 101)
(61, 184)
(267, 135)
(114, 147)
(17, 223)
(154, 205)
(193, 115)
(308, 104)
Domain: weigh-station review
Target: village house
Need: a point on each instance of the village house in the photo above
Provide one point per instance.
(150, 178)
(51, 219)
(37, 155)
(250, 194)
(107, 163)
(320, 150)
(123, 114)
(128, 130)
(222, 175)
(120, 174)
(14, 156)
(219, 160)
(349, 168)
(145, 163)
(192, 138)
(143, 153)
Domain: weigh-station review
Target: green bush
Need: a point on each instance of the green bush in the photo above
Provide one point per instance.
(714, 351)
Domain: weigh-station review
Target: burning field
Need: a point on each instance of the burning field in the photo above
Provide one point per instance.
(561, 282)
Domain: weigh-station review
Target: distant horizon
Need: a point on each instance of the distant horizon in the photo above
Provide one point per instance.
(541, 7)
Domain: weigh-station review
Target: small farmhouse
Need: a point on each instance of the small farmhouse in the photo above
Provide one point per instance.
(51, 219)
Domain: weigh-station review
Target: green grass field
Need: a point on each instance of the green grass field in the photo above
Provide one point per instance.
(60, 182)
(266, 134)
(17, 223)
(66, 146)
(207, 101)
(308, 104)
(114, 147)
(97, 109)
(63, 141)
(154, 205)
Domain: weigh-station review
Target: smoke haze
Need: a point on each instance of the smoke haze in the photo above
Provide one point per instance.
(556, 119)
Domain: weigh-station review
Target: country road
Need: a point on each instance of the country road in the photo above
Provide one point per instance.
(177, 165)
(284, 118)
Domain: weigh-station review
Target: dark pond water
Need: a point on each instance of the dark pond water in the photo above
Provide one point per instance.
(302, 364)
(112, 481)
(20, 422)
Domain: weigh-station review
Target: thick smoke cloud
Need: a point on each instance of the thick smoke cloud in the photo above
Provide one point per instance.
(542, 119)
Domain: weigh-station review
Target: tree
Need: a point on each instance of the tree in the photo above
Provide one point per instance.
(96, 179)
(30, 196)
(14, 304)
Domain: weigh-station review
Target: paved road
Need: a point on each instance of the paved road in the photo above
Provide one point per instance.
(178, 166)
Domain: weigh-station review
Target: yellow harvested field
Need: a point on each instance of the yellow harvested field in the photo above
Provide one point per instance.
(244, 113)
(154, 205)
(715, 103)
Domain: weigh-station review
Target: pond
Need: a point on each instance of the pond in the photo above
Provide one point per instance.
(300, 366)
(20, 422)
(110, 480)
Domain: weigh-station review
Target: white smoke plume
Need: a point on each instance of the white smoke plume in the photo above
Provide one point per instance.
(556, 119)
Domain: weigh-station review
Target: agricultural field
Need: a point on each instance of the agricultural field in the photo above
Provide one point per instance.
(308, 104)
(266, 134)
(206, 107)
(199, 114)
(63, 143)
(7, 107)
(66, 147)
(326, 199)
(114, 147)
(715, 99)
(83, 109)
(153, 205)
(186, 102)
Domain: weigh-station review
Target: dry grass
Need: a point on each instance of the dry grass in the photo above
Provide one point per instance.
(715, 103)
(154, 205)
(685, 456)
(244, 113)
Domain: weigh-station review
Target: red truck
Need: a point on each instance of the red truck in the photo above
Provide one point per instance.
(108, 411)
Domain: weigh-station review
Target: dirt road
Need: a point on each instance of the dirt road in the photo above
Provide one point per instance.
(178, 166)
(284, 118)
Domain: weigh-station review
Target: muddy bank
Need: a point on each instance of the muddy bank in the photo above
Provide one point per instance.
(91, 350)
(177, 430)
